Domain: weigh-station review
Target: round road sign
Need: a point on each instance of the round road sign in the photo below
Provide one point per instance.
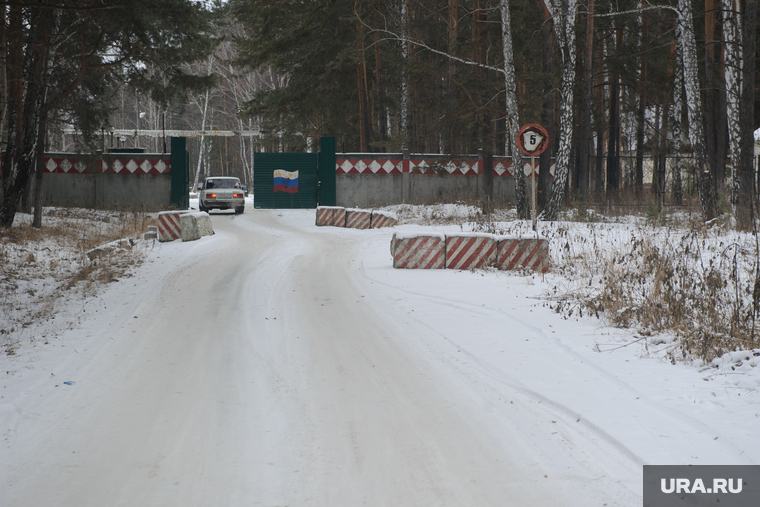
(532, 139)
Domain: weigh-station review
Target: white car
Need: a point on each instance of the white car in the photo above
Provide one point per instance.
(220, 192)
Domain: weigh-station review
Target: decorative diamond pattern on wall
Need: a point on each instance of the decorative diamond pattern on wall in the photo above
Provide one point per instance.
(53, 163)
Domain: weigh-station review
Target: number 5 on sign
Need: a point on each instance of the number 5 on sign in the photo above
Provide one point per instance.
(533, 140)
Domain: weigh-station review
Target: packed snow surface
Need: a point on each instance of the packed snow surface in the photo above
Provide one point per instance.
(279, 363)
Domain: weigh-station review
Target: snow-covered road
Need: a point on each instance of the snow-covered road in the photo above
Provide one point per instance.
(277, 363)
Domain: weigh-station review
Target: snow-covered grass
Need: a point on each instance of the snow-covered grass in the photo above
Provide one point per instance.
(691, 291)
(43, 270)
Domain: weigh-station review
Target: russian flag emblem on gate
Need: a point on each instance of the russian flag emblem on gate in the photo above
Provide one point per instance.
(286, 181)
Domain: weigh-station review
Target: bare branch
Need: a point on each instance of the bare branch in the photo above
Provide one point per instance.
(392, 36)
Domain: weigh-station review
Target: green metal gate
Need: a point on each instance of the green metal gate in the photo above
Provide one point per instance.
(298, 171)
(295, 180)
(180, 192)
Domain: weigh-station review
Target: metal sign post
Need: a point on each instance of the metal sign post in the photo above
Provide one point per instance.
(532, 141)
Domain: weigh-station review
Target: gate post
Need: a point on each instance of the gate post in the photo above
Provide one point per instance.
(326, 187)
(180, 193)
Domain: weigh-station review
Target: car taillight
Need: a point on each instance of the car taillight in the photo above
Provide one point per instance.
(237, 196)
(210, 196)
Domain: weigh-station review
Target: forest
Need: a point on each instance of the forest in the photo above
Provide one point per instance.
(644, 102)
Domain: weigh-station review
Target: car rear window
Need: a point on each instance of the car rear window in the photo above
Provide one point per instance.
(222, 183)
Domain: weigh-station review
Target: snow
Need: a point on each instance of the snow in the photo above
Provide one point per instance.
(403, 233)
(577, 401)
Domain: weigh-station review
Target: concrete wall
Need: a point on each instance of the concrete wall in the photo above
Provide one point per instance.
(143, 192)
(368, 190)
(375, 190)
(106, 184)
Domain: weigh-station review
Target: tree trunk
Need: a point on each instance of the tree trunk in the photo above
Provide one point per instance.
(745, 209)
(451, 70)
(547, 115)
(25, 105)
(732, 44)
(638, 184)
(678, 134)
(657, 178)
(513, 117)
(564, 29)
(3, 82)
(613, 146)
(710, 95)
(39, 171)
(380, 92)
(585, 147)
(406, 89)
(685, 33)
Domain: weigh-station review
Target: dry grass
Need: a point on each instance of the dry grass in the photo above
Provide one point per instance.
(696, 283)
(40, 268)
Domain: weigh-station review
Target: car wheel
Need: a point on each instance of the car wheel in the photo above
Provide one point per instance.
(239, 210)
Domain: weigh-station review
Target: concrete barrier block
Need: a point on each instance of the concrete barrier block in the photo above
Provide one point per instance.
(358, 219)
(418, 251)
(339, 217)
(195, 225)
(380, 219)
(169, 226)
(523, 253)
(326, 215)
(470, 251)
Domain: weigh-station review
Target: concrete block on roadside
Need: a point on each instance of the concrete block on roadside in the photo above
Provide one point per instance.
(515, 253)
(195, 225)
(418, 251)
(169, 226)
(326, 215)
(358, 219)
(382, 219)
(470, 251)
(150, 235)
(339, 217)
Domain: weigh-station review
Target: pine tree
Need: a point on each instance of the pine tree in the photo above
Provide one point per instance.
(67, 57)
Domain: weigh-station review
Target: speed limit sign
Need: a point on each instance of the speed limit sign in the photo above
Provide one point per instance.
(532, 139)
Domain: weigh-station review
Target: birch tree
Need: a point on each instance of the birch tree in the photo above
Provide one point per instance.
(685, 34)
(563, 12)
(513, 116)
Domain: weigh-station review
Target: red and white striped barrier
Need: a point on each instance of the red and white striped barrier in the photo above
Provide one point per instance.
(339, 217)
(380, 220)
(419, 252)
(358, 219)
(470, 251)
(326, 215)
(168, 225)
(523, 253)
